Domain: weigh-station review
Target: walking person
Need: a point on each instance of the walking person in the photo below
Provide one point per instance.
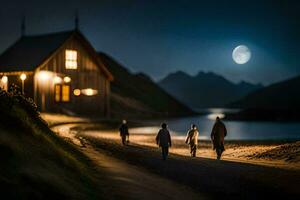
(218, 134)
(124, 133)
(192, 139)
(163, 139)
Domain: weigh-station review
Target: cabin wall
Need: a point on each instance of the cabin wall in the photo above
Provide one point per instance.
(87, 75)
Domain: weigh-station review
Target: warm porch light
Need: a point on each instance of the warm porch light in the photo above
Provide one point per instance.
(89, 92)
(23, 77)
(76, 92)
(57, 80)
(4, 79)
(3, 83)
(67, 79)
(43, 78)
(44, 75)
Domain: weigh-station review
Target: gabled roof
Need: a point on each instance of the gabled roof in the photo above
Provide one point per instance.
(29, 52)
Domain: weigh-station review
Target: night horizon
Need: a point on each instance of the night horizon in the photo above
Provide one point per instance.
(162, 37)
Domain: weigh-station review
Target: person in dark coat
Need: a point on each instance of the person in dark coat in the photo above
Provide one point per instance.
(192, 139)
(218, 134)
(163, 139)
(124, 133)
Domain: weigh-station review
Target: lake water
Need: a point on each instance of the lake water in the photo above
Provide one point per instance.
(237, 130)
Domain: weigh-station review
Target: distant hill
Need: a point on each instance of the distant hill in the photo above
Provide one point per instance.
(277, 102)
(205, 90)
(283, 95)
(134, 95)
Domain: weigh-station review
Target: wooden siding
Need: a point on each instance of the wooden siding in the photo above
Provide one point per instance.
(87, 75)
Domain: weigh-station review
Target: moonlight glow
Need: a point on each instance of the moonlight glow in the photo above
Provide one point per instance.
(241, 54)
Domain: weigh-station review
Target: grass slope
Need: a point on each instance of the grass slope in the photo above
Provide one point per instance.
(37, 164)
(138, 95)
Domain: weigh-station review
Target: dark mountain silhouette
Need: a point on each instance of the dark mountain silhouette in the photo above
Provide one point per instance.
(205, 89)
(282, 95)
(134, 95)
(277, 102)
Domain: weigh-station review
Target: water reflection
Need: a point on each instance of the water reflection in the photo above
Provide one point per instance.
(213, 113)
(213, 116)
(145, 130)
(237, 130)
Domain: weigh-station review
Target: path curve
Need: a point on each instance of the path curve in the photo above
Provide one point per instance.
(129, 181)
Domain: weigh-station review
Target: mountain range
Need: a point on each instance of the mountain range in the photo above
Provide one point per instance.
(206, 89)
(137, 95)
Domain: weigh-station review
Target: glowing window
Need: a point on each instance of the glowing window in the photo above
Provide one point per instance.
(65, 97)
(71, 59)
(57, 93)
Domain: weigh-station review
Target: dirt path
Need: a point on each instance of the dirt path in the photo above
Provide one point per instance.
(129, 181)
(234, 152)
(136, 172)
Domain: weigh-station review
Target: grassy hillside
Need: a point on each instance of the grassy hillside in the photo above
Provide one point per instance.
(137, 95)
(37, 164)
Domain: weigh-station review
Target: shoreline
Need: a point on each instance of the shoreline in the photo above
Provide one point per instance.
(275, 153)
(281, 153)
(224, 178)
(214, 178)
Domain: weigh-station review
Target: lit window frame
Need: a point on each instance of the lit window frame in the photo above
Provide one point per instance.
(59, 95)
(64, 86)
(71, 57)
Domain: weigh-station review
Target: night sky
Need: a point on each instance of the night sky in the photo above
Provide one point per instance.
(159, 37)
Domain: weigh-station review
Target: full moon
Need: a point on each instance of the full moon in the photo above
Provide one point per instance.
(241, 54)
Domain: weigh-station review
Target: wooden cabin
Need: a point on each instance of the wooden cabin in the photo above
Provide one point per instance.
(61, 72)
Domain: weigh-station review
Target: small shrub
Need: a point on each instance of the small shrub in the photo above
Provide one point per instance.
(13, 97)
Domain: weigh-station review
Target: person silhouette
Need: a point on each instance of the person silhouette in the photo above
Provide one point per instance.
(192, 139)
(124, 132)
(163, 139)
(218, 134)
